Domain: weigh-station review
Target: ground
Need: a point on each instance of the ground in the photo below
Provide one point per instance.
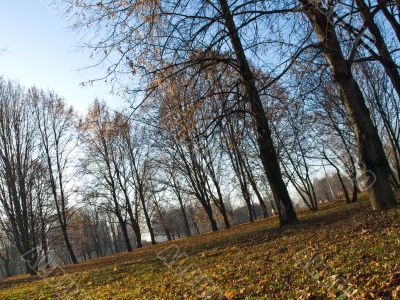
(340, 252)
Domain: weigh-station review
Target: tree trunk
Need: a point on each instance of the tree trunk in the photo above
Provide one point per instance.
(7, 268)
(138, 234)
(60, 207)
(187, 227)
(134, 222)
(213, 223)
(355, 192)
(224, 215)
(386, 60)
(246, 195)
(392, 20)
(31, 261)
(68, 245)
(269, 158)
(45, 244)
(168, 234)
(125, 234)
(346, 194)
(114, 238)
(220, 202)
(194, 221)
(256, 191)
(147, 217)
(374, 162)
(221, 205)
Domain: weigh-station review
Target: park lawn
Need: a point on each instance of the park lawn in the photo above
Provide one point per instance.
(340, 252)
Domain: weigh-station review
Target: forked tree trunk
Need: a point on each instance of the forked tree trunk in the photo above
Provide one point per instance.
(374, 162)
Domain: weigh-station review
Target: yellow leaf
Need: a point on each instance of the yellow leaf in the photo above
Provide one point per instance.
(229, 294)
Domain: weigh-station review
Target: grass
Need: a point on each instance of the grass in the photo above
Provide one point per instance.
(340, 252)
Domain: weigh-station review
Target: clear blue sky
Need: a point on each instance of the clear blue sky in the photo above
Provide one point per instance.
(41, 50)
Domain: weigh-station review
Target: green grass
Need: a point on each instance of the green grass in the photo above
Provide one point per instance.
(339, 252)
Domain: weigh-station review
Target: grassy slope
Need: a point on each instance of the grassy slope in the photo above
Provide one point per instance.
(340, 250)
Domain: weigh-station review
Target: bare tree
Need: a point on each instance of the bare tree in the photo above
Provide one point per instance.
(17, 172)
(98, 136)
(56, 127)
(153, 41)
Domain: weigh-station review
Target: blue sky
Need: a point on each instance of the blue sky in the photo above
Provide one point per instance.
(41, 50)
